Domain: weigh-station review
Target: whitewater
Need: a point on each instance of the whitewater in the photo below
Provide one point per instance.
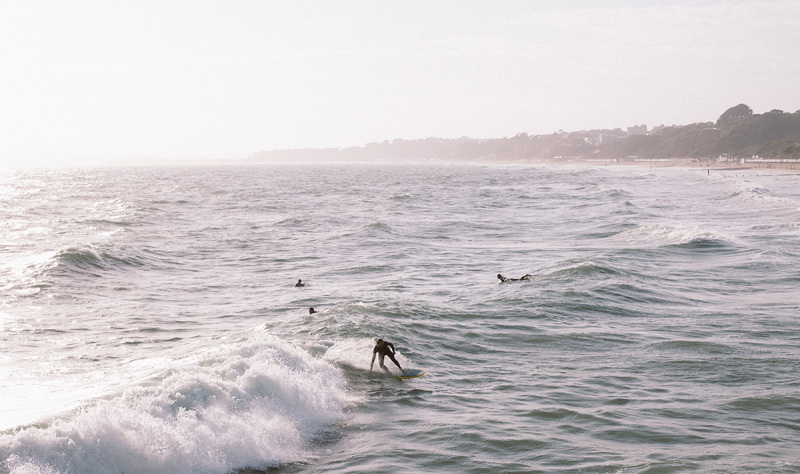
(149, 319)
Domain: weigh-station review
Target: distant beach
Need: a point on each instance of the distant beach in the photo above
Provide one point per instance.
(686, 163)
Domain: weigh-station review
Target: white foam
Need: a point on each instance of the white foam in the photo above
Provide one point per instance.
(659, 235)
(609, 190)
(746, 191)
(255, 402)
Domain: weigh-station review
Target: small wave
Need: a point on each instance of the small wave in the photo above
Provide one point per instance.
(89, 258)
(82, 258)
(290, 221)
(399, 197)
(585, 269)
(110, 222)
(252, 404)
(608, 190)
(778, 403)
(27, 276)
(750, 192)
(376, 225)
(704, 242)
(660, 235)
(703, 347)
(571, 420)
(582, 171)
(372, 228)
(759, 194)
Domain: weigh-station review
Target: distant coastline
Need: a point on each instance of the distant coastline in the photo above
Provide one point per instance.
(739, 138)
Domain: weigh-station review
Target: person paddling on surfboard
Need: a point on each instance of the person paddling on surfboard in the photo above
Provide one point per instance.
(383, 348)
(502, 279)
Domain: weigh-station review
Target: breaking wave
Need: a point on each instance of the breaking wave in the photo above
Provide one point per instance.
(660, 235)
(254, 403)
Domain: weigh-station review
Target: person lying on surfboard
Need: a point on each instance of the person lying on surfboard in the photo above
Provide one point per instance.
(383, 348)
(503, 279)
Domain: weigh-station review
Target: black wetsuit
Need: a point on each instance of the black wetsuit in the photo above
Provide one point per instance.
(504, 279)
(387, 349)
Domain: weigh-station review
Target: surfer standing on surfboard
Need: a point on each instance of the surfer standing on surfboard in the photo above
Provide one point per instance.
(383, 348)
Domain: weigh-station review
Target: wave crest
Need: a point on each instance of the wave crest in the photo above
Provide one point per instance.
(399, 197)
(90, 258)
(608, 190)
(585, 269)
(255, 404)
(660, 235)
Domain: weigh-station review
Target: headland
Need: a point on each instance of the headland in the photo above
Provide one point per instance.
(738, 139)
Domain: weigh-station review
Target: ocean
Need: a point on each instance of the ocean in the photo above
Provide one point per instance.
(150, 323)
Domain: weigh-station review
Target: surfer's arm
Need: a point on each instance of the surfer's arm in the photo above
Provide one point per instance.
(391, 346)
(372, 362)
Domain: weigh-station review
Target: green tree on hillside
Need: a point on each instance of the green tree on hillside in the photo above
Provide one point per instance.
(734, 114)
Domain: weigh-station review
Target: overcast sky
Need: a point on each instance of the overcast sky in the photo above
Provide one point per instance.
(194, 78)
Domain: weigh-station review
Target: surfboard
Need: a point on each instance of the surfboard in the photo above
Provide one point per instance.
(411, 373)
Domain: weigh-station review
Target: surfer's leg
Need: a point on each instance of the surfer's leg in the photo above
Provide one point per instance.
(395, 362)
(381, 364)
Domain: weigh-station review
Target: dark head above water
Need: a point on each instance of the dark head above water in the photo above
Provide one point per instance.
(311, 311)
(299, 283)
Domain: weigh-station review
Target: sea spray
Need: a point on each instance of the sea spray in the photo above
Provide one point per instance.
(661, 235)
(254, 402)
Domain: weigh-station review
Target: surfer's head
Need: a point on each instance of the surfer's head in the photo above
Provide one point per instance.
(379, 342)
(499, 276)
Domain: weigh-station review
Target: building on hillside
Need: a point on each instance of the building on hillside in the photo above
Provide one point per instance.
(638, 130)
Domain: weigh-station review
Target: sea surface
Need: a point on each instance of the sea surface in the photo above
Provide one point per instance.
(150, 323)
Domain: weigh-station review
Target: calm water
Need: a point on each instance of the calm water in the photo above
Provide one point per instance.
(149, 320)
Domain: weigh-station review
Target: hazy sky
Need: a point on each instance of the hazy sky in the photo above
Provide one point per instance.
(194, 78)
